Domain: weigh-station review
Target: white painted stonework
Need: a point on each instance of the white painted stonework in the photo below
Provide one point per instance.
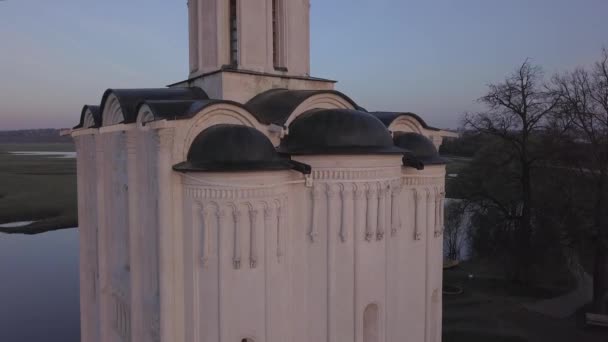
(351, 252)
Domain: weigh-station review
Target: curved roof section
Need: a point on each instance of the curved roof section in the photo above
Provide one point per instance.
(227, 147)
(130, 99)
(95, 111)
(181, 109)
(421, 148)
(276, 105)
(387, 118)
(338, 131)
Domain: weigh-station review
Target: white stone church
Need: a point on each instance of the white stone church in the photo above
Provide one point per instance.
(252, 202)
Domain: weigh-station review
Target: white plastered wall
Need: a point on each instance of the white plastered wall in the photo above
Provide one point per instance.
(235, 240)
(88, 231)
(241, 87)
(426, 188)
(339, 252)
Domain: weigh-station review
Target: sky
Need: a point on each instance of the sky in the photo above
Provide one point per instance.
(432, 57)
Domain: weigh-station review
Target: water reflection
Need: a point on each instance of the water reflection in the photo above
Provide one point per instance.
(39, 287)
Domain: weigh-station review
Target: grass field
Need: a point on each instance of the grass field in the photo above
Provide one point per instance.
(492, 309)
(37, 188)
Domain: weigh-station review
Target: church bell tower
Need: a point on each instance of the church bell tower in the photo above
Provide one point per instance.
(239, 48)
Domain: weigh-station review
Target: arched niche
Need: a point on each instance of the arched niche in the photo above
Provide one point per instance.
(112, 111)
(89, 119)
(320, 101)
(219, 114)
(406, 124)
(371, 323)
(145, 114)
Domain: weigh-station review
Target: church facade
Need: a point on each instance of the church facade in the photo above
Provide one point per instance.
(255, 203)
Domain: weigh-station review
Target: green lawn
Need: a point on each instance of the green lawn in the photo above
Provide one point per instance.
(37, 188)
(493, 309)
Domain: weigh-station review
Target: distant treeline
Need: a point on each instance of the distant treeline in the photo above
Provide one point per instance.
(466, 145)
(32, 136)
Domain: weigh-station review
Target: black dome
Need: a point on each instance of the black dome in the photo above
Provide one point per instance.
(232, 148)
(338, 131)
(421, 147)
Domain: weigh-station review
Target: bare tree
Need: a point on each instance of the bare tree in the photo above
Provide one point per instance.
(516, 111)
(583, 112)
(455, 234)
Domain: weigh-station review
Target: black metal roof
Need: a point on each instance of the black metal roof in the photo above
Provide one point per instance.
(338, 131)
(227, 147)
(95, 110)
(181, 109)
(276, 105)
(387, 118)
(130, 99)
(421, 147)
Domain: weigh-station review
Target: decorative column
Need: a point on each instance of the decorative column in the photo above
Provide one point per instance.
(281, 228)
(317, 193)
(238, 220)
(253, 236)
(332, 217)
(360, 207)
(439, 212)
(164, 146)
(431, 214)
(419, 201)
(204, 215)
(269, 220)
(395, 206)
(347, 211)
(380, 229)
(105, 295)
(135, 241)
(372, 201)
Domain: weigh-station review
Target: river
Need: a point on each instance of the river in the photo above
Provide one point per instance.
(39, 287)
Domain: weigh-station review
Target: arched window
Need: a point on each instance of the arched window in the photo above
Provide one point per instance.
(234, 33)
(371, 327)
(278, 55)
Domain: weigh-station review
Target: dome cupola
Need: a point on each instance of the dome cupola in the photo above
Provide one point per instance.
(232, 148)
(338, 131)
(420, 147)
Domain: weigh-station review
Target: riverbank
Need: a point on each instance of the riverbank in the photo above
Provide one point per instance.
(37, 187)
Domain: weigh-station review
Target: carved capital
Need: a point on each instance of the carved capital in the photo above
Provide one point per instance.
(269, 212)
(253, 213)
(331, 191)
(221, 213)
(346, 192)
(396, 187)
(237, 214)
(372, 191)
(317, 192)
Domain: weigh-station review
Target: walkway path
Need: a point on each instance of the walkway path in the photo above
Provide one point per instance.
(566, 305)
